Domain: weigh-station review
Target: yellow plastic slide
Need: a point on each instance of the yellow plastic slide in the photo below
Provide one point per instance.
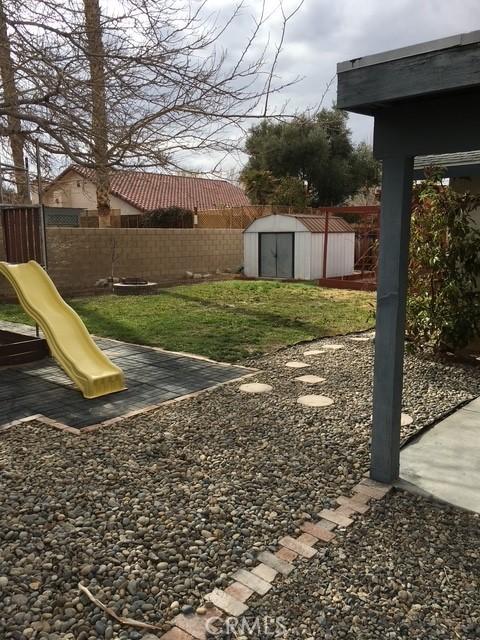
(68, 339)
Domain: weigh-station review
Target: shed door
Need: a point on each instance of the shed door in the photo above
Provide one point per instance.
(276, 255)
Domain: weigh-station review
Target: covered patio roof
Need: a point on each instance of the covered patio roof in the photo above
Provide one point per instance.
(425, 100)
(455, 165)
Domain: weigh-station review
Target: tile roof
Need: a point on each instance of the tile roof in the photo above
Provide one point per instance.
(316, 224)
(147, 191)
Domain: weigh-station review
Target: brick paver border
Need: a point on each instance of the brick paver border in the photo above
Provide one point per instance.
(231, 602)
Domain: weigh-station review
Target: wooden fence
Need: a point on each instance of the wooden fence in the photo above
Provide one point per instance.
(23, 233)
(241, 217)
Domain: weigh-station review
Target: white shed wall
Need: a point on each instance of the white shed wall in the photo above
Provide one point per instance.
(308, 248)
(302, 255)
(250, 255)
(317, 256)
(340, 254)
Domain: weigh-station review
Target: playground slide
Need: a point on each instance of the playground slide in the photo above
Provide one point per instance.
(68, 339)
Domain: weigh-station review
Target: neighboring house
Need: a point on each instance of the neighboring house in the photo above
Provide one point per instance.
(462, 169)
(136, 192)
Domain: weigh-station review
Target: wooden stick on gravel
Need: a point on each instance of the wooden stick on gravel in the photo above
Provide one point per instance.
(126, 621)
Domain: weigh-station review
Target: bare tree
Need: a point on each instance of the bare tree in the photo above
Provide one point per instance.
(147, 84)
(10, 97)
(96, 61)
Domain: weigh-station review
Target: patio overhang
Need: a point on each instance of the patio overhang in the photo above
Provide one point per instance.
(425, 100)
(453, 165)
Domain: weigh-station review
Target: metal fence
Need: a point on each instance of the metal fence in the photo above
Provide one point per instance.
(63, 216)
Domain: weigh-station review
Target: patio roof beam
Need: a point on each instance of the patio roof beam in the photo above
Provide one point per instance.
(366, 83)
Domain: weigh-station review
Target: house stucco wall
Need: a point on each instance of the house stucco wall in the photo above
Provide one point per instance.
(72, 190)
(78, 258)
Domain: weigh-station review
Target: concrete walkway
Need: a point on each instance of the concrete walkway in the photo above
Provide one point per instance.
(444, 462)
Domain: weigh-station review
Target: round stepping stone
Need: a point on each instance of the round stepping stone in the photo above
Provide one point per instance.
(406, 419)
(255, 387)
(310, 379)
(333, 347)
(359, 339)
(294, 364)
(314, 352)
(315, 401)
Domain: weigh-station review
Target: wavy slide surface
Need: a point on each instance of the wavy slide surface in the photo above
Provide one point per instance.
(69, 341)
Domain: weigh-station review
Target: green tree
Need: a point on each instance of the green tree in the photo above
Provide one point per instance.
(263, 188)
(443, 308)
(259, 185)
(317, 150)
(291, 192)
(169, 217)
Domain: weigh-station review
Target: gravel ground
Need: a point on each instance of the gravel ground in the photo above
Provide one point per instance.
(151, 513)
(410, 569)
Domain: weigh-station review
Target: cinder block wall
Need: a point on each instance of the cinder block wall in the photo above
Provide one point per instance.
(78, 258)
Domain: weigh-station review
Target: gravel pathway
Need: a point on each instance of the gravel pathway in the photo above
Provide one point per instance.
(154, 512)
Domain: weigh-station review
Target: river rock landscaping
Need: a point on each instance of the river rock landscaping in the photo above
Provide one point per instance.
(154, 512)
(408, 569)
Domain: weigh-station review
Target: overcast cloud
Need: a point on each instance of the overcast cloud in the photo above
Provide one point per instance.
(325, 32)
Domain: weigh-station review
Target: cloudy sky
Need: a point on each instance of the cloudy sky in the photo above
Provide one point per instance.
(325, 32)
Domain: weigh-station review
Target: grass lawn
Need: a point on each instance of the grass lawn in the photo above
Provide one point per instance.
(223, 320)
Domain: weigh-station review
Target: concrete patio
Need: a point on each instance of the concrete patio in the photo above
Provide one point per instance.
(444, 461)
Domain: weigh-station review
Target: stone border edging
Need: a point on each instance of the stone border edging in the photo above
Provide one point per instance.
(230, 602)
(111, 421)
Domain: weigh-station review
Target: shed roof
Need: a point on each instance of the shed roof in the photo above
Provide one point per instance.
(316, 224)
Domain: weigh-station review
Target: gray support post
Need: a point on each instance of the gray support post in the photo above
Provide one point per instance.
(391, 305)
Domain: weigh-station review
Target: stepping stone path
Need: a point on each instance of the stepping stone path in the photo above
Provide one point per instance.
(406, 419)
(295, 364)
(360, 339)
(255, 387)
(314, 352)
(315, 401)
(334, 347)
(310, 379)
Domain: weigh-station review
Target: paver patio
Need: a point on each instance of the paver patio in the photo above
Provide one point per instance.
(153, 376)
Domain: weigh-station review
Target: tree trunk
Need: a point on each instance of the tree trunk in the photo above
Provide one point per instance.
(17, 142)
(96, 59)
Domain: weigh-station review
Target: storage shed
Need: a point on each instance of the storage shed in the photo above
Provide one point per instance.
(291, 246)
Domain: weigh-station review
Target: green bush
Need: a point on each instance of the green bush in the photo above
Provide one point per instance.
(169, 217)
(443, 308)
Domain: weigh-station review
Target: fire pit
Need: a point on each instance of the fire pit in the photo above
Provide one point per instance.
(134, 287)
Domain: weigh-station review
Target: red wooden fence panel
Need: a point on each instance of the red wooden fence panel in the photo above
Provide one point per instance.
(22, 233)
